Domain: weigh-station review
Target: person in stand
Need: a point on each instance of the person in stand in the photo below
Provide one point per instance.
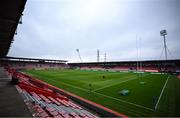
(14, 79)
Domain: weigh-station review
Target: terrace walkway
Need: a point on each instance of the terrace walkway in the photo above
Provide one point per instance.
(11, 103)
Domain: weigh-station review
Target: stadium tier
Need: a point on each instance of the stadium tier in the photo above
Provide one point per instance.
(145, 66)
(30, 63)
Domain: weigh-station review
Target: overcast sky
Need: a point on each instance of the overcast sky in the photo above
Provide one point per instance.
(123, 29)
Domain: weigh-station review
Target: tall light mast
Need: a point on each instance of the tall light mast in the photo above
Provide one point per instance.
(164, 33)
(79, 54)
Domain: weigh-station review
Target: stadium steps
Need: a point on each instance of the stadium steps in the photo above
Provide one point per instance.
(49, 108)
(11, 103)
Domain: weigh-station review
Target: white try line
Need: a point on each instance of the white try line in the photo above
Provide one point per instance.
(161, 93)
(118, 83)
(137, 105)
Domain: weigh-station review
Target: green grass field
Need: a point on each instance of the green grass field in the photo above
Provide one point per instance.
(158, 96)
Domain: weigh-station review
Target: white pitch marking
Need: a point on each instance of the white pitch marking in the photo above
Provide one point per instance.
(161, 93)
(117, 83)
(125, 101)
(108, 96)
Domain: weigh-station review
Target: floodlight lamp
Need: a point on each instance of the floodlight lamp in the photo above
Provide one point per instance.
(163, 32)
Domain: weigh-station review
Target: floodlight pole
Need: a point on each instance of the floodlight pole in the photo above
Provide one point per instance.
(165, 46)
(164, 33)
(79, 54)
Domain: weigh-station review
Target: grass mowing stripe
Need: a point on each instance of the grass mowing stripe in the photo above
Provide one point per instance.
(161, 93)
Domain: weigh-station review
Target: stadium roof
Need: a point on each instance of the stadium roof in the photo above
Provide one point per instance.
(32, 60)
(10, 15)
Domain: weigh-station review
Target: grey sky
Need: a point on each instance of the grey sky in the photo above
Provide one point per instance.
(54, 29)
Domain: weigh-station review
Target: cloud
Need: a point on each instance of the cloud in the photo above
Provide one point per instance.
(55, 29)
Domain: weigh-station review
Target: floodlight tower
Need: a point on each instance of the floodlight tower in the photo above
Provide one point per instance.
(79, 54)
(164, 33)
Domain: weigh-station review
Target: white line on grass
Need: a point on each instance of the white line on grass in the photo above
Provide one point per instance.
(161, 93)
(118, 83)
(106, 95)
(125, 101)
(115, 84)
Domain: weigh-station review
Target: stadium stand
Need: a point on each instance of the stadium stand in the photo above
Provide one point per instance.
(30, 63)
(146, 66)
(122, 68)
(44, 102)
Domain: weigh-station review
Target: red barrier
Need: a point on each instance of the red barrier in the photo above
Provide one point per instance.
(178, 76)
(38, 90)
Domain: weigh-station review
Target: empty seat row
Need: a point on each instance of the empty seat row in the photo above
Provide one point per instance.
(54, 107)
